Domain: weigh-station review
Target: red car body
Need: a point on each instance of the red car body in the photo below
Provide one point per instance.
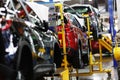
(72, 35)
(74, 38)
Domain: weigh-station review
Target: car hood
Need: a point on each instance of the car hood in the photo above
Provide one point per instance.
(39, 9)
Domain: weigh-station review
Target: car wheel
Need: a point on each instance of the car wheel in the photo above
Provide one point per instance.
(57, 55)
(95, 33)
(24, 61)
(79, 61)
(80, 55)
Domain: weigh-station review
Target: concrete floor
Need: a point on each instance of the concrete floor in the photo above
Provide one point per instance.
(107, 64)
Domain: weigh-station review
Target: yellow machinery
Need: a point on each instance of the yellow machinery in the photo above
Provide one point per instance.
(102, 43)
(65, 71)
(93, 63)
(99, 63)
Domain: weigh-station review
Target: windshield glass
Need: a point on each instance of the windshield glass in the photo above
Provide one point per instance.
(79, 9)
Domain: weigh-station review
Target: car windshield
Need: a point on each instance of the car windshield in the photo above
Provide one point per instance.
(79, 9)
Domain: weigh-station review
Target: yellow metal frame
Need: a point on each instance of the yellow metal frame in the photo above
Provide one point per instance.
(65, 73)
(95, 63)
(101, 43)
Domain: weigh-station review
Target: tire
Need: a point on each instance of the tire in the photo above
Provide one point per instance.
(24, 61)
(57, 56)
(95, 33)
(80, 55)
(77, 58)
(84, 60)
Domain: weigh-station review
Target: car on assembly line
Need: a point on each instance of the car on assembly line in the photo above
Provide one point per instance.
(28, 48)
(83, 10)
(75, 40)
(79, 23)
(89, 11)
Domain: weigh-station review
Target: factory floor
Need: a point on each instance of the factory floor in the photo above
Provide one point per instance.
(108, 63)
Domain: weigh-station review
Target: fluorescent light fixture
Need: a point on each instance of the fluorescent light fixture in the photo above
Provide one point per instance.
(90, 0)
